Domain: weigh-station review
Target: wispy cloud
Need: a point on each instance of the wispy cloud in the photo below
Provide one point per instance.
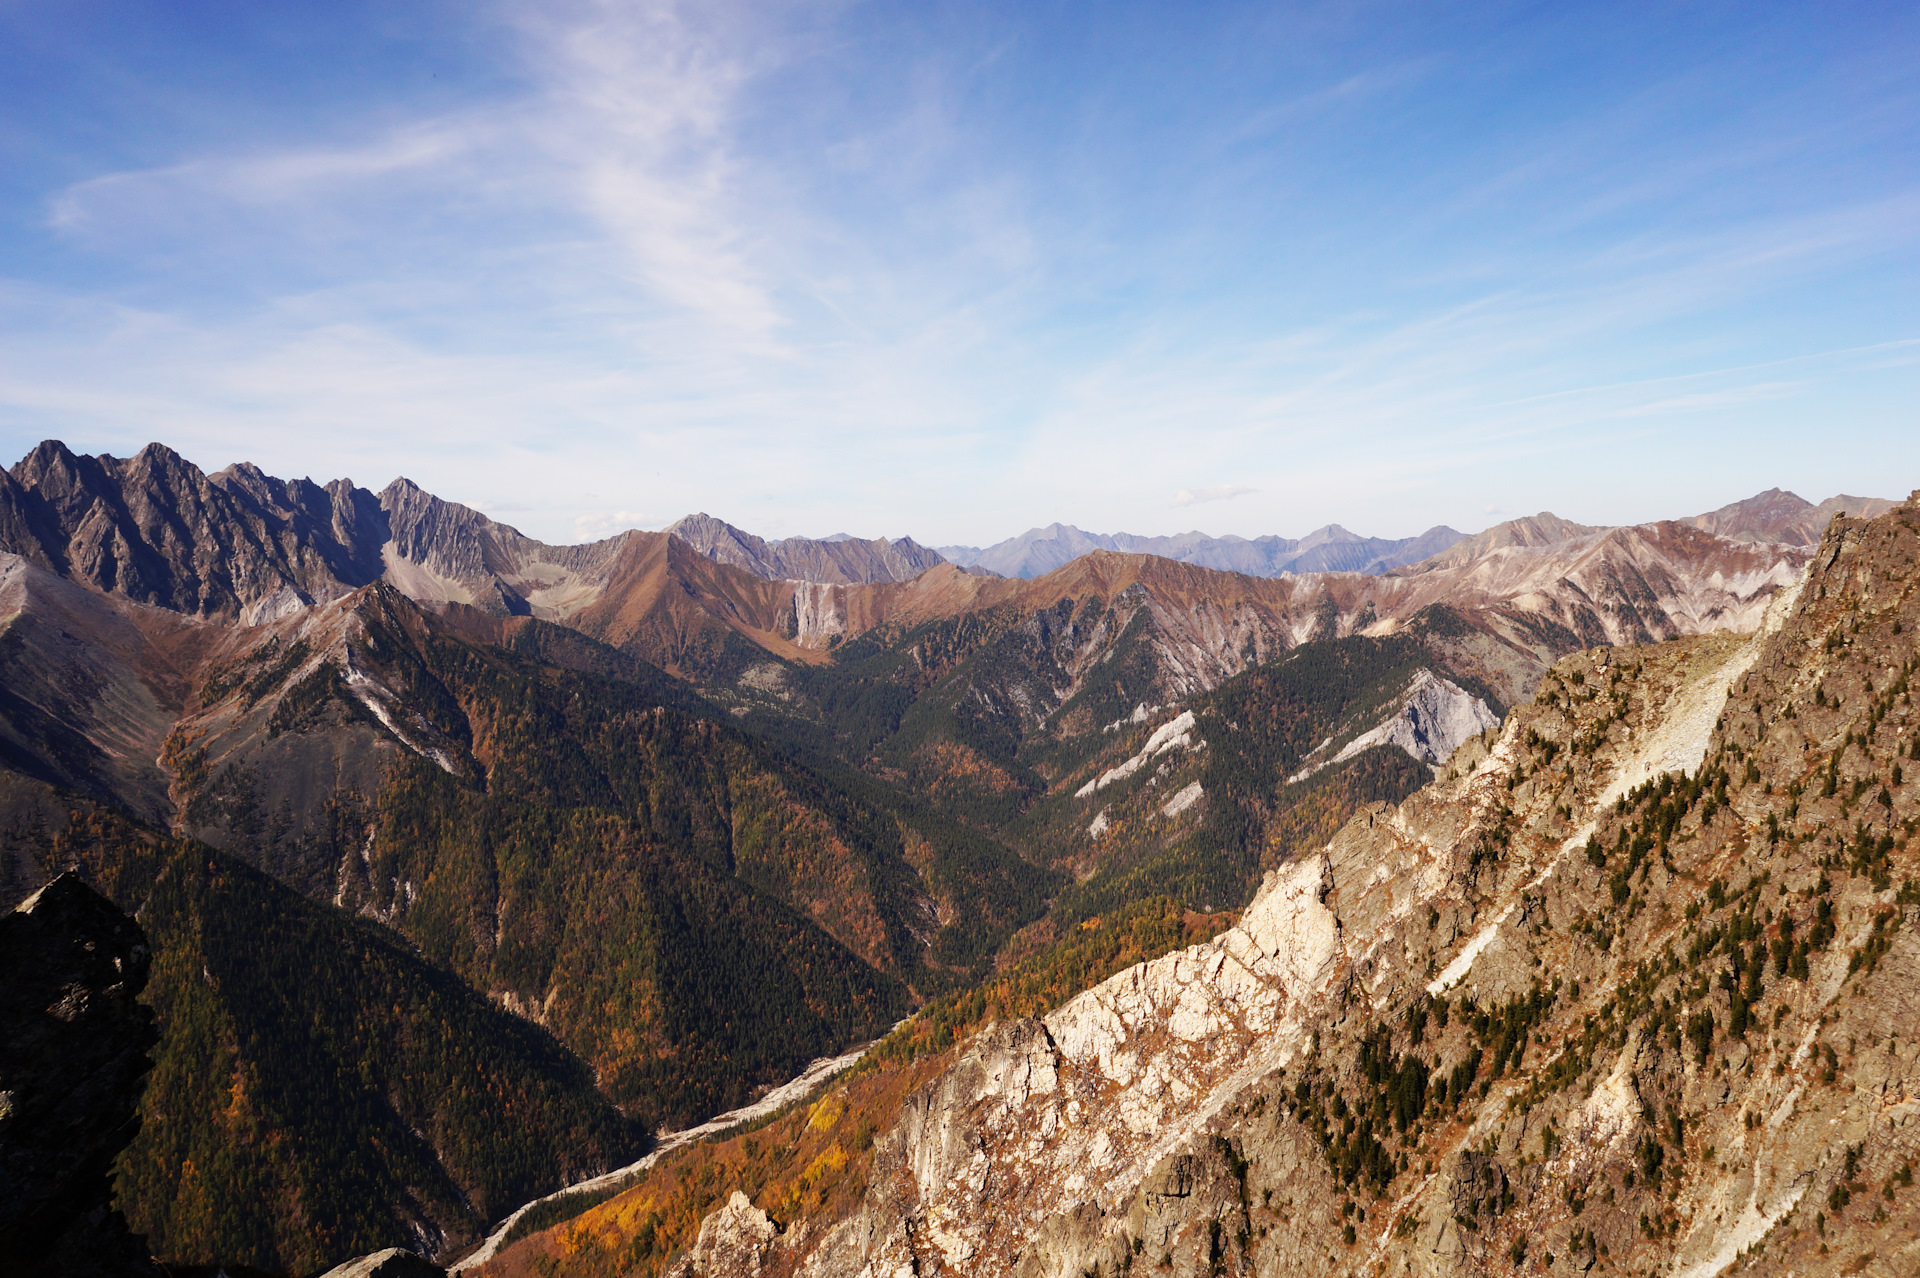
(640, 102)
(1197, 496)
(837, 265)
(603, 524)
(1713, 401)
(113, 203)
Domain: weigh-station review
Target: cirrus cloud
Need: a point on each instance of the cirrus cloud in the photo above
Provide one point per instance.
(1224, 492)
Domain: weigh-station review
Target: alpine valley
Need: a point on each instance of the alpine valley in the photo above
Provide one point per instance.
(393, 891)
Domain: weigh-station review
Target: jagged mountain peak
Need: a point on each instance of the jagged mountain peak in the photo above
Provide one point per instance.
(699, 524)
(1328, 533)
(158, 530)
(401, 487)
(422, 523)
(719, 540)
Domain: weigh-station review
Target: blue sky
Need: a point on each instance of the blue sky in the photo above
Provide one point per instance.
(954, 270)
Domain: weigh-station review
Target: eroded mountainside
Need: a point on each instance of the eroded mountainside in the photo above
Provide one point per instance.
(693, 912)
(1625, 991)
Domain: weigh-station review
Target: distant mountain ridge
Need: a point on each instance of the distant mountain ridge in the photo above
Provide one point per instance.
(838, 560)
(1039, 551)
(1786, 518)
(1775, 516)
(707, 600)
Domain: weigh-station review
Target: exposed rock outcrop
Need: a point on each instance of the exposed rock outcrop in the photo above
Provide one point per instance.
(394, 1262)
(1430, 720)
(733, 1242)
(442, 552)
(1040, 1119)
(157, 530)
(73, 1057)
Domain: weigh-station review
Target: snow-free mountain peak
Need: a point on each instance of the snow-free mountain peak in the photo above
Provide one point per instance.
(1039, 551)
(839, 560)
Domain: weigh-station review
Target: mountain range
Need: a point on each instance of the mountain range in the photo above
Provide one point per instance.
(1039, 551)
(1771, 516)
(646, 825)
(840, 559)
(1619, 992)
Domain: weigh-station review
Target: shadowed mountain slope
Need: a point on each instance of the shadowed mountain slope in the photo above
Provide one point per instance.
(585, 842)
(74, 1053)
(318, 1091)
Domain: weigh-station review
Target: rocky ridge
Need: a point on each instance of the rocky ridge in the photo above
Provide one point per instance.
(240, 545)
(832, 560)
(1779, 516)
(1039, 551)
(1623, 991)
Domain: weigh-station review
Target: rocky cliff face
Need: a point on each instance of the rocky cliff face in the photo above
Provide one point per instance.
(1626, 992)
(441, 552)
(242, 545)
(156, 530)
(73, 1056)
(1429, 720)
